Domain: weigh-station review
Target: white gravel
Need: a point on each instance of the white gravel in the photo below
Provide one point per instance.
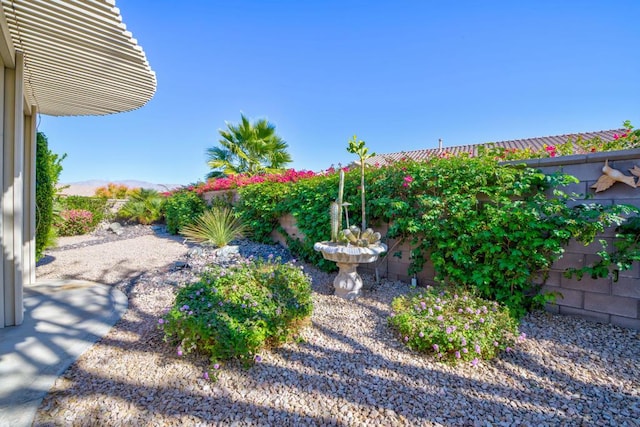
(349, 370)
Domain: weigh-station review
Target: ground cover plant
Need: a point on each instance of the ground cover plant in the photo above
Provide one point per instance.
(453, 325)
(233, 313)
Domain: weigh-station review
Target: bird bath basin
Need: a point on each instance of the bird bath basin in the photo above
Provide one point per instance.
(348, 282)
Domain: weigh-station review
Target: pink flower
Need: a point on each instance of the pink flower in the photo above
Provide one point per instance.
(407, 180)
(216, 366)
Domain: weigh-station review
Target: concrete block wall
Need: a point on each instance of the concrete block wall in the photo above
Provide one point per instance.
(604, 300)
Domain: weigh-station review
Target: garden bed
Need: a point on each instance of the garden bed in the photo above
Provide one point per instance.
(349, 369)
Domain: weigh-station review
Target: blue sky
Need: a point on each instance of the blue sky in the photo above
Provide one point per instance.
(398, 74)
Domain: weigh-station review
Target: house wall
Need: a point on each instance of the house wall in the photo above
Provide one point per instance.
(17, 185)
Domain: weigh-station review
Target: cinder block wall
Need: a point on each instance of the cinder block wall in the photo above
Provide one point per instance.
(604, 300)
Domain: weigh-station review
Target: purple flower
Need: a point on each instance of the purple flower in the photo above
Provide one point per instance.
(216, 366)
(477, 349)
(440, 318)
(495, 343)
(406, 338)
(392, 314)
(179, 352)
(474, 362)
(436, 348)
(463, 342)
(161, 320)
(465, 350)
(258, 359)
(449, 329)
(457, 355)
(421, 334)
(206, 375)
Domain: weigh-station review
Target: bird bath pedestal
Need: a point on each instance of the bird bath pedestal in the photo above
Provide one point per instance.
(348, 282)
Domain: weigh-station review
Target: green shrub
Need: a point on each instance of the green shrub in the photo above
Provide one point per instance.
(182, 208)
(453, 325)
(75, 222)
(144, 206)
(217, 226)
(44, 195)
(48, 170)
(234, 312)
(96, 205)
(485, 226)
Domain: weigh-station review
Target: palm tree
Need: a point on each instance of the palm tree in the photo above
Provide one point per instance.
(248, 148)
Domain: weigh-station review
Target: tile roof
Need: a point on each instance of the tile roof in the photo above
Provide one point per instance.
(534, 143)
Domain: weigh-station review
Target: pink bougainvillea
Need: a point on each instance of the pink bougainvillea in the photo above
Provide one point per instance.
(240, 180)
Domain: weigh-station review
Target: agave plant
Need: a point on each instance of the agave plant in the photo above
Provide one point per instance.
(217, 226)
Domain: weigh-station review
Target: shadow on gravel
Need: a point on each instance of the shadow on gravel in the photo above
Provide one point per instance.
(368, 371)
(47, 259)
(359, 375)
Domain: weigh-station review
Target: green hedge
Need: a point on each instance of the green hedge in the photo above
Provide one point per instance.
(45, 192)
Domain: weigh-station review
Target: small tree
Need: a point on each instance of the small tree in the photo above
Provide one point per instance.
(248, 148)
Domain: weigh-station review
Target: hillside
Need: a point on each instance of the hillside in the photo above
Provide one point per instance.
(88, 188)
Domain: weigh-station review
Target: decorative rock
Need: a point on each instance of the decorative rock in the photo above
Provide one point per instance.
(227, 251)
(115, 228)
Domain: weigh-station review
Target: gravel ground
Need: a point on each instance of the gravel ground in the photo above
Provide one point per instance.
(349, 369)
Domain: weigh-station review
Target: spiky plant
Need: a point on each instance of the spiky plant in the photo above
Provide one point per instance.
(217, 226)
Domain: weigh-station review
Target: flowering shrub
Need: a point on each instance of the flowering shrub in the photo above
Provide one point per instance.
(236, 181)
(234, 312)
(114, 191)
(74, 222)
(454, 326)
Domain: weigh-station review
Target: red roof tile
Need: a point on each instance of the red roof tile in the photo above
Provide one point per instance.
(534, 143)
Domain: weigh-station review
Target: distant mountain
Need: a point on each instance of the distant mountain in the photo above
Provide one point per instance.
(89, 187)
